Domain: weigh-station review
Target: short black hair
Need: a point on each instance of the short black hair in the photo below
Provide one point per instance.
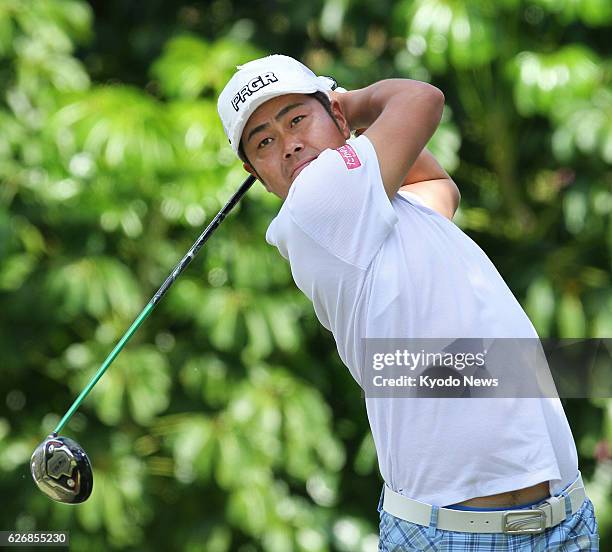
(321, 97)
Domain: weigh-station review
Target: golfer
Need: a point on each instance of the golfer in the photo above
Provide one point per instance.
(366, 225)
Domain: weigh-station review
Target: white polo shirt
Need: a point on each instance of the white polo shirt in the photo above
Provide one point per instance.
(379, 268)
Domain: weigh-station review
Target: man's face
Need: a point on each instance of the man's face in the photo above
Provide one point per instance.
(285, 134)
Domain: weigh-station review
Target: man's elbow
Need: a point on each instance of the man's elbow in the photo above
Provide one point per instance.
(456, 197)
(434, 97)
(439, 94)
(438, 100)
(451, 198)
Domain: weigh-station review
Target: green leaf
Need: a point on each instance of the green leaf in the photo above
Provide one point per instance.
(540, 305)
(15, 269)
(207, 377)
(365, 459)
(259, 340)
(190, 66)
(108, 396)
(570, 317)
(282, 320)
(140, 374)
(592, 12)
(545, 82)
(223, 334)
(460, 33)
(96, 285)
(121, 127)
(195, 449)
(148, 383)
(277, 538)
(247, 509)
(575, 209)
(212, 537)
(603, 319)
(584, 126)
(88, 513)
(231, 460)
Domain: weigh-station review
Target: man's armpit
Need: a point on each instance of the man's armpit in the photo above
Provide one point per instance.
(441, 195)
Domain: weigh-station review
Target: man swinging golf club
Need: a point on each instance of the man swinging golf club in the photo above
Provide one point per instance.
(365, 225)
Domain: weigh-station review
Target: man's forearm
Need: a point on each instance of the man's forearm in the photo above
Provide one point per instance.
(426, 167)
(363, 106)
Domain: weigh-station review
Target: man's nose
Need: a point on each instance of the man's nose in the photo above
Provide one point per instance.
(292, 147)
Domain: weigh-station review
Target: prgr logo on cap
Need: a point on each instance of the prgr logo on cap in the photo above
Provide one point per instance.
(253, 86)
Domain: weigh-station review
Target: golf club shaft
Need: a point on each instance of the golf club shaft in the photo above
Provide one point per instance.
(178, 269)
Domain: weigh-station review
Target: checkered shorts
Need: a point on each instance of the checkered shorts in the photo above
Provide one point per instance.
(578, 533)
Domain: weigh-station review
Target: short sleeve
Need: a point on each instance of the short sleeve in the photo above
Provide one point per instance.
(340, 202)
(414, 197)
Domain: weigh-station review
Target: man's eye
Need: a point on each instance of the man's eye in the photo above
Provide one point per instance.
(264, 142)
(297, 119)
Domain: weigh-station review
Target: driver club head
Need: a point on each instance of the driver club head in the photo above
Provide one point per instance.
(62, 470)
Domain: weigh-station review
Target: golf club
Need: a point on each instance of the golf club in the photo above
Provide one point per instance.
(60, 467)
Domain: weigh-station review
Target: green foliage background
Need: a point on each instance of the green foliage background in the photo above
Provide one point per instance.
(229, 422)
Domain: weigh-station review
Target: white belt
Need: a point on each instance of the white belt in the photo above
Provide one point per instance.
(552, 512)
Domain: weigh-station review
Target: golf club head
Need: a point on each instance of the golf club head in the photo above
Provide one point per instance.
(62, 470)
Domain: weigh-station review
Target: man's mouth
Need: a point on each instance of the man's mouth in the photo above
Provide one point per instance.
(300, 166)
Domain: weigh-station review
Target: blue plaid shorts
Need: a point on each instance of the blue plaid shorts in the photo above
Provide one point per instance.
(578, 533)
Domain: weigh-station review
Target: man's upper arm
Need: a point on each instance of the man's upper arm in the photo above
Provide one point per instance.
(402, 130)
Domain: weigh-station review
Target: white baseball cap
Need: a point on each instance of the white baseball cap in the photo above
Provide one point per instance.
(260, 80)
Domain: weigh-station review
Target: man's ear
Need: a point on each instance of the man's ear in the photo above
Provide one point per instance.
(247, 167)
(336, 109)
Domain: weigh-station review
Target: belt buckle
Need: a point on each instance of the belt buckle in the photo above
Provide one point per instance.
(515, 527)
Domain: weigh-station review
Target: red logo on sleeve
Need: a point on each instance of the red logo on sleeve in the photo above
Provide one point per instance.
(349, 156)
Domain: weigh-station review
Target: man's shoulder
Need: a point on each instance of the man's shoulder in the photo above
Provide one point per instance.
(347, 161)
(338, 202)
(354, 153)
